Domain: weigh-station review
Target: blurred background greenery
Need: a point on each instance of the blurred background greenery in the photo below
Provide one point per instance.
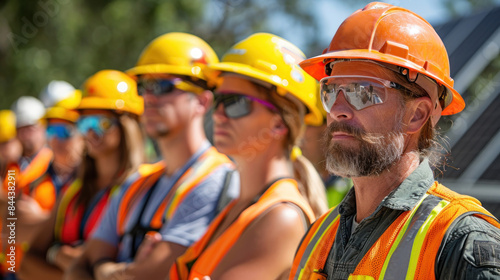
(71, 39)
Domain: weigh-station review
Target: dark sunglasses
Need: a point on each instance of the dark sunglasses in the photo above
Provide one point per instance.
(60, 131)
(97, 123)
(156, 87)
(159, 87)
(238, 105)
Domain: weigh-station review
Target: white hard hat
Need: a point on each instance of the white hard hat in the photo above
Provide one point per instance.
(60, 93)
(28, 110)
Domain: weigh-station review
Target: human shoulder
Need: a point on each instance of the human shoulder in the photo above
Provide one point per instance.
(284, 220)
(470, 248)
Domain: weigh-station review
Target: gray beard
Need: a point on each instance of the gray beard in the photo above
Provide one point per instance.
(376, 152)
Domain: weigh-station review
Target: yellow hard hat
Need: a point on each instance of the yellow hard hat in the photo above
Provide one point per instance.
(175, 53)
(60, 94)
(62, 100)
(273, 60)
(62, 113)
(7, 125)
(111, 90)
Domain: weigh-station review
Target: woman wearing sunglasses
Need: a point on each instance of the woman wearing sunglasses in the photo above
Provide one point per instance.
(108, 121)
(262, 102)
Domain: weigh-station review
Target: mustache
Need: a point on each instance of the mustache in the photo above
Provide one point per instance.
(356, 132)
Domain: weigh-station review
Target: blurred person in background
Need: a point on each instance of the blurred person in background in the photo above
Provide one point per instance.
(109, 112)
(31, 167)
(10, 153)
(385, 82)
(262, 102)
(67, 144)
(41, 186)
(31, 132)
(10, 147)
(175, 199)
(313, 149)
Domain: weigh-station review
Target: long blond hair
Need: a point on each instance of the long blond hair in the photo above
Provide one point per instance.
(310, 183)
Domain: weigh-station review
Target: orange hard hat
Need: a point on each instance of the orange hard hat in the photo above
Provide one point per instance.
(391, 35)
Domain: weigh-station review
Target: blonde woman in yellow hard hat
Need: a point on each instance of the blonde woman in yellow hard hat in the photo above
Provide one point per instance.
(262, 102)
(109, 112)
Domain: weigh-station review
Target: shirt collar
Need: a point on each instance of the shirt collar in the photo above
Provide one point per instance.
(404, 197)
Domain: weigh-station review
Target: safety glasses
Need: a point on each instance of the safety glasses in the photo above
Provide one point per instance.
(60, 131)
(360, 91)
(238, 105)
(159, 87)
(97, 123)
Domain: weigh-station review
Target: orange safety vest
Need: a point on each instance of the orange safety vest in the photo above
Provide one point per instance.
(406, 250)
(206, 258)
(10, 185)
(36, 169)
(75, 224)
(210, 160)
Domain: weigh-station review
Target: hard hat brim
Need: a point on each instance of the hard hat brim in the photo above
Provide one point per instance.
(194, 71)
(111, 104)
(315, 66)
(62, 113)
(313, 117)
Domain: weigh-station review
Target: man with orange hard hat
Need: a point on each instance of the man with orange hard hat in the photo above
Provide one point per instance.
(385, 82)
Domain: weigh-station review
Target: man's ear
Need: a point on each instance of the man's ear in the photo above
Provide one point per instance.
(420, 111)
(205, 100)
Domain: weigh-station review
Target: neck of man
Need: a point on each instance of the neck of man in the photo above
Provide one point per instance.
(62, 170)
(371, 190)
(31, 153)
(176, 149)
(107, 167)
(257, 171)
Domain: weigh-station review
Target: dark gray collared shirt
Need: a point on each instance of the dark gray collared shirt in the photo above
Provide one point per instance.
(471, 250)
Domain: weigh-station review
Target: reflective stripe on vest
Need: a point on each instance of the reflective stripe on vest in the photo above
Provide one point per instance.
(403, 252)
(35, 169)
(207, 256)
(210, 160)
(403, 256)
(323, 227)
(76, 224)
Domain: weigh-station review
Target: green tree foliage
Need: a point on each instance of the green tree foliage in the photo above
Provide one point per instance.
(71, 39)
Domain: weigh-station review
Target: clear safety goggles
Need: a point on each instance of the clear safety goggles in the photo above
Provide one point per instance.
(97, 123)
(239, 105)
(359, 91)
(159, 87)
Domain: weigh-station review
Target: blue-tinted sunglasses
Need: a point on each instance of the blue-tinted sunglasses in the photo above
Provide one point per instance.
(60, 131)
(97, 123)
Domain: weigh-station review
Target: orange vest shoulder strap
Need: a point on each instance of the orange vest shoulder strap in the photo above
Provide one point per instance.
(205, 165)
(36, 168)
(180, 269)
(147, 174)
(67, 198)
(460, 206)
(313, 251)
(284, 190)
